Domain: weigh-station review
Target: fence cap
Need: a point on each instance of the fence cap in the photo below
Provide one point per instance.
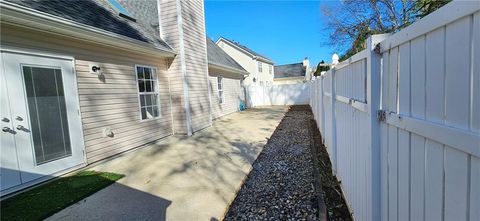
(335, 59)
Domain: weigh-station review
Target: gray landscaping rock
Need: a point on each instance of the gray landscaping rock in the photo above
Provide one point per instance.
(281, 183)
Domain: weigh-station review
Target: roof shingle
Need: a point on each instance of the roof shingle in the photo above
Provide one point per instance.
(247, 49)
(289, 70)
(217, 56)
(95, 13)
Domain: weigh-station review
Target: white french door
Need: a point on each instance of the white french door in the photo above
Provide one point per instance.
(41, 128)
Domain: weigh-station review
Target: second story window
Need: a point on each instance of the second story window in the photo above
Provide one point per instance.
(260, 67)
(270, 67)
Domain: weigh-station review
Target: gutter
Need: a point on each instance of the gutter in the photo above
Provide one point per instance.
(228, 69)
(18, 15)
(263, 59)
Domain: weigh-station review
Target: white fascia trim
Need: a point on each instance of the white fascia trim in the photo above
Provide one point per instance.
(22, 16)
(259, 58)
(227, 69)
(244, 51)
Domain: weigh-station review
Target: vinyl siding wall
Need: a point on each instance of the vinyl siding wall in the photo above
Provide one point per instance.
(265, 75)
(232, 95)
(190, 83)
(109, 102)
(249, 64)
(243, 59)
(171, 34)
(196, 63)
(289, 80)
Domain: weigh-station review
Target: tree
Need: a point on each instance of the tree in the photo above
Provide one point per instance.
(354, 20)
(321, 67)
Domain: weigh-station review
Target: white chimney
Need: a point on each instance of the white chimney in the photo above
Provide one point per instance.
(306, 63)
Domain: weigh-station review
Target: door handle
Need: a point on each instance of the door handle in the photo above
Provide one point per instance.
(22, 128)
(8, 130)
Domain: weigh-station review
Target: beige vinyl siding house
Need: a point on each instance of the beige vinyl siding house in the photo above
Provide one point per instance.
(227, 99)
(225, 81)
(260, 67)
(103, 112)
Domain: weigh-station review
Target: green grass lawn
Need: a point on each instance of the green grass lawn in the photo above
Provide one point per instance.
(45, 200)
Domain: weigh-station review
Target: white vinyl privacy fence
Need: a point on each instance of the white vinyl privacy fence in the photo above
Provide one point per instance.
(401, 120)
(286, 94)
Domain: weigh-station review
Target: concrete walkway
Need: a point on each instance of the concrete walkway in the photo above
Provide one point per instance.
(182, 178)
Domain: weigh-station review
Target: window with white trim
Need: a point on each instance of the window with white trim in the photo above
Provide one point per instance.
(260, 69)
(148, 94)
(270, 67)
(220, 89)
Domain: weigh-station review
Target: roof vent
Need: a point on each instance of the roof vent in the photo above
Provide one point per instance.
(127, 17)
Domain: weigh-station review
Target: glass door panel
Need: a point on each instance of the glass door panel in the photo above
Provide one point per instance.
(47, 111)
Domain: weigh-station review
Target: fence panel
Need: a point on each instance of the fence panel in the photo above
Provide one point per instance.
(421, 161)
(436, 71)
(343, 113)
(287, 94)
(353, 154)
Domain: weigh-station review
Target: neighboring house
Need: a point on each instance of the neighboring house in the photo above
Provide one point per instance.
(260, 67)
(292, 73)
(84, 80)
(226, 77)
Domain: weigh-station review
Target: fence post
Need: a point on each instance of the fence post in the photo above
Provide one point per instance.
(313, 95)
(334, 121)
(322, 110)
(312, 100)
(315, 91)
(373, 105)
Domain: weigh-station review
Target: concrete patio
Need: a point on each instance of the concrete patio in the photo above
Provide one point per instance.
(182, 178)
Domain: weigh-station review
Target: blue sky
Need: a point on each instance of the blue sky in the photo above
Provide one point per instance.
(284, 31)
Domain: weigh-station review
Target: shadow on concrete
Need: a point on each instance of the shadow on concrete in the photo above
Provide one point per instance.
(114, 202)
(117, 202)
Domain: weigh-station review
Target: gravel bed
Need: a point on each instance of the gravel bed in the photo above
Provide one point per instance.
(281, 185)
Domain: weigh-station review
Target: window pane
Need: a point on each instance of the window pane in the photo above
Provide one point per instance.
(144, 113)
(141, 85)
(154, 99)
(47, 113)
(148, 86)
(140, 73)
(150, 114)
(142, 100)
(154, 85)
(147, 73)
(148, 99)
(219, 83)
(156, 111)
